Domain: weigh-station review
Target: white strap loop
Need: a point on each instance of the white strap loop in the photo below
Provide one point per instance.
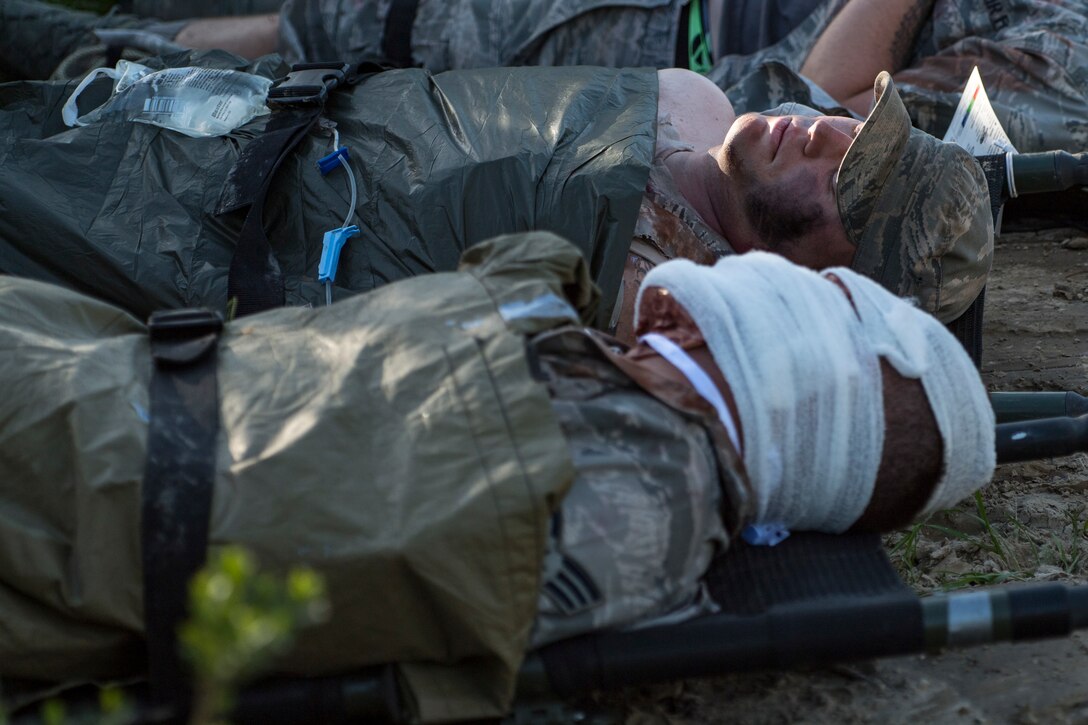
(695, 374)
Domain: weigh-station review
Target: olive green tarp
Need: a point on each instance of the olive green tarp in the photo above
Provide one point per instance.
(126, 211)
(396, 442)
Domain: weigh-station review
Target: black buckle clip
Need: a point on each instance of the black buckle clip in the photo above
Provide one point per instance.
(308, 83)
(181, 337)
(176, 325)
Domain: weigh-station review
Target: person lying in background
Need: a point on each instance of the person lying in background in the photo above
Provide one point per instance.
(667, 170)
(1027, 50)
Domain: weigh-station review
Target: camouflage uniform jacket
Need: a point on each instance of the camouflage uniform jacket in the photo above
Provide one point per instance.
(1032, 54)
(658, 491)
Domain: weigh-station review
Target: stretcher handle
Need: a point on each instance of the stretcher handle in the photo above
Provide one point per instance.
(1012, 407)
(1048, 171)
(1030, 440)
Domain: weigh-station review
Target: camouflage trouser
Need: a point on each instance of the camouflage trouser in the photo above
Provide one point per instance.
(456, 34)
(641, 522)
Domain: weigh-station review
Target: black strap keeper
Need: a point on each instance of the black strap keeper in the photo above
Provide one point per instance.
(182, 337)
(179, 475)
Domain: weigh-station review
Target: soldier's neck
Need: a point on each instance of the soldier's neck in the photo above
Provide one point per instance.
(700, 181)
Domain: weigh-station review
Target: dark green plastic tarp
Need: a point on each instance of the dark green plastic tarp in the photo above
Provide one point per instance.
(126, 211)
(395, 442)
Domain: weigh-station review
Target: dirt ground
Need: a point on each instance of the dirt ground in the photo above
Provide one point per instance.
(1035, 338)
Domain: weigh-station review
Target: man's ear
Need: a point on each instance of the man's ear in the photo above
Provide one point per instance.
(658, 311)
(910, 464)
(832, 277)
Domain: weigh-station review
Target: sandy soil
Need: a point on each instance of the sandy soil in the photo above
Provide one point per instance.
(1036, 338)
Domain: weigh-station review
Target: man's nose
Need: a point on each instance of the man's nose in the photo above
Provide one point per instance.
(826, 139)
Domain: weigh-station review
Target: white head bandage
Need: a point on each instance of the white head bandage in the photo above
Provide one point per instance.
(918, 346)
(807, 388)
(805, 375)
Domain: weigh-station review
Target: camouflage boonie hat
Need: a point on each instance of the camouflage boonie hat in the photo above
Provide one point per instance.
(917, 209)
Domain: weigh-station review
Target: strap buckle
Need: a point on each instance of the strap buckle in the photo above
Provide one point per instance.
(182, 337)
(179, 325)
(308, 83)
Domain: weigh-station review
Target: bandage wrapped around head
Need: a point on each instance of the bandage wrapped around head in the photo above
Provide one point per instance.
(921, 348)
(804, 370)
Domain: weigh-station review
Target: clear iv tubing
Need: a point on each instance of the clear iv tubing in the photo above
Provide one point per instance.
(351, 209)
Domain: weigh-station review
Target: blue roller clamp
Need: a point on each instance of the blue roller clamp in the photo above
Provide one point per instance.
(330, 162)
(333, 241)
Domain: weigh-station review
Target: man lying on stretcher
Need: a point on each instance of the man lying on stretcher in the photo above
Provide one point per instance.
(474, 472)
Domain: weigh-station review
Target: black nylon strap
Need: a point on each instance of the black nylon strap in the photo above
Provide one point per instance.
(255, 279)
(177, 486)
(397, 35)
(680, 57)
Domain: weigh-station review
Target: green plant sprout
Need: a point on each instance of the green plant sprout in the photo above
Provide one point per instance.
(1016, 549)
(240, 620)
